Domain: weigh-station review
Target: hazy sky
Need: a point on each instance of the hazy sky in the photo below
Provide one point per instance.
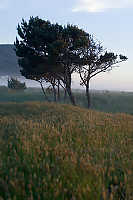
(109, 20)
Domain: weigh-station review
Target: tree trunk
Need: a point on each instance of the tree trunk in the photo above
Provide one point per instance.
(58, 91)
(44, 92)
(68, 82)
(54, 91)
(88, 93)
(65, 94)
(72, 99)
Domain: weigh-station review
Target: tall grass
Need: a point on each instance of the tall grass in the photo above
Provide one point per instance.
(61, 152)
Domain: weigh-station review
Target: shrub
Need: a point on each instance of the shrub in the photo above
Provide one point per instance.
(16, 84)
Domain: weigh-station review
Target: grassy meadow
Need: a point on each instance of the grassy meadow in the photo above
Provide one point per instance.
(56, 151)
(59, 152)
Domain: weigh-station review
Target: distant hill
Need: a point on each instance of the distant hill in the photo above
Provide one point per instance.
(8, 60)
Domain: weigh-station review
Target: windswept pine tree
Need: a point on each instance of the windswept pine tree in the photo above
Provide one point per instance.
(96, 60)
(51, 53)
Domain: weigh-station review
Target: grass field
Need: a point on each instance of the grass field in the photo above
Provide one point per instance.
(59, 152)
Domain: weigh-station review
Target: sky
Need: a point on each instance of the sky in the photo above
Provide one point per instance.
(110, 21)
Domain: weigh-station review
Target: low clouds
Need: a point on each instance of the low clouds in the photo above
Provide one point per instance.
(101, 5)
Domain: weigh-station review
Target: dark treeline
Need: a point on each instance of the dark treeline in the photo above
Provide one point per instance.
(51, 53)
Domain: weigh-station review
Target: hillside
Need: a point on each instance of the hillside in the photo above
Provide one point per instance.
(52, 151)
(8, 60)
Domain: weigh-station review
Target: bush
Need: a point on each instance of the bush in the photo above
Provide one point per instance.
(16, 84)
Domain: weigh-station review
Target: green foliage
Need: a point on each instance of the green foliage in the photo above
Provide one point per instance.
(16, 84)
(51, 151)
(49, 51)
(50, 45)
